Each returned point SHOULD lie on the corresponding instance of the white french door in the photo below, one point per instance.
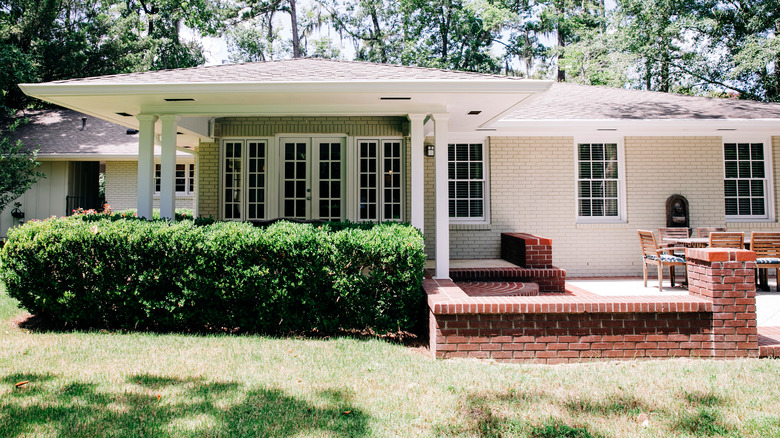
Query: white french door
(311, 178)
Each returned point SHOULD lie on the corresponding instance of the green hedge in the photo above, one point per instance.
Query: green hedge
(225, 276)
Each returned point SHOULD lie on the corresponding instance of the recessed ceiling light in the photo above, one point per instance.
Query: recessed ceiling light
(727, 129)
(124, 114)
(395, 98)
(184, 99)
(606, 129)
(474, 113)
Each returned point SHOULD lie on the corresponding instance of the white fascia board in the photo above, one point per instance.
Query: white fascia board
(655, 127)
(185, 156)
(48, 90)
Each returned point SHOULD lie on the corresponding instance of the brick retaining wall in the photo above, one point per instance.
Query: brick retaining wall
(717, 319)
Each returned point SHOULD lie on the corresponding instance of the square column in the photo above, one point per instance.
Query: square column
(441, 130)
(168, 166)
(145, 164)
(417, 139)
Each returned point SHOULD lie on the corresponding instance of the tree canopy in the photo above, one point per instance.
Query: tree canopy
(706, 47)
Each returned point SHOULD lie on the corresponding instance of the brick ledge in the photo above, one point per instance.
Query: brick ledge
(445, 297)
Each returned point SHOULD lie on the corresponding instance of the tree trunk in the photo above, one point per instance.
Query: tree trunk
(378, 37)
(295, 38)
(445, 29)
(561, 32)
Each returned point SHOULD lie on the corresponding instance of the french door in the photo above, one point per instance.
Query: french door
(311, 178)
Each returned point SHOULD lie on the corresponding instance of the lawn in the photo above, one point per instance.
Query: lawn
(95, 384)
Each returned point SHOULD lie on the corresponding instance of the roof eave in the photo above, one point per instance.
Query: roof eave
(51, 89)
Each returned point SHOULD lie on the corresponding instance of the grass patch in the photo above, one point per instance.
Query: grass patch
(105, 384)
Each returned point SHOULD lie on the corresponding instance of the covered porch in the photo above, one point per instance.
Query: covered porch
(284, 111)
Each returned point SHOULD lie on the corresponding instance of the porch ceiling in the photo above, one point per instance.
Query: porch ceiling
(490, 98)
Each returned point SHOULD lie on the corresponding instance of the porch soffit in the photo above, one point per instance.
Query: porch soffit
(305, 87)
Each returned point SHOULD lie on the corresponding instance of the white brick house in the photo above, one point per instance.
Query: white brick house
(321, 139)
(72, 148)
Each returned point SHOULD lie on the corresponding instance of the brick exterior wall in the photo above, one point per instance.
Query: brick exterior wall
(208, 180)
(122, 187)
(533, 190)
(351, 126)
(716, 320)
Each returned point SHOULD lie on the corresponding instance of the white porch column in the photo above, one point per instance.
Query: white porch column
(417, 139)
(145, 164)
(168, 166)
(442, 196)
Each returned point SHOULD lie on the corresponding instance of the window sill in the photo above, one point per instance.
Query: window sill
(156, 196)
(749, 221)
(478, 226)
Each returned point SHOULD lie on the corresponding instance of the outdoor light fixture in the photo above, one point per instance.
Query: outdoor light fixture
(429, 150)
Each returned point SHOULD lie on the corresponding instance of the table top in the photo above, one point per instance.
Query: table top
(697, 240)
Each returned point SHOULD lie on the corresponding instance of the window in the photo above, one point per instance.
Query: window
(746, 186)
(599, 182)
(184, 178)
(380, 190)
(466, 178)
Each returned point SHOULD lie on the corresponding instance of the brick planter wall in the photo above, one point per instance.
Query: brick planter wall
(526, 250)
(717, 320)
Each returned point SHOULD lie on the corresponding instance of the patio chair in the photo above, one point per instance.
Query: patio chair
(652, 254)
(705, 231)
(673, 233)
(727, 240)
(767, 248)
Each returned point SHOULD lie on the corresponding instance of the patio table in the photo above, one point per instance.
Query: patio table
(689, 242)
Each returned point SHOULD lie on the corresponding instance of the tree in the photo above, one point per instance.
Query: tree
(20, 170)
(447, 34)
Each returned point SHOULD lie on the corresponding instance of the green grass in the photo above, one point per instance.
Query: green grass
(94, 384)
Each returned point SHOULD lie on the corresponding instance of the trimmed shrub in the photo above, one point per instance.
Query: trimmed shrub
(160, 275)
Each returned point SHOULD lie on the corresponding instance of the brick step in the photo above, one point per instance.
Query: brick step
(550, 279)
(499, 288)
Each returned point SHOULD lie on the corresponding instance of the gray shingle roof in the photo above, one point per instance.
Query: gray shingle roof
(582, 102)
(291, 70)
(58, 132)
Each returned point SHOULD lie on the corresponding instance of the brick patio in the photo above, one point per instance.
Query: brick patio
(716, 319)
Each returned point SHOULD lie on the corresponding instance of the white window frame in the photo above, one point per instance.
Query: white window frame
(622, 216)
(769, 189)
(189, 188)
(485, 219)
(354, 169)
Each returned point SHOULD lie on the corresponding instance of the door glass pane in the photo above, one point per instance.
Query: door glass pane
(330, 179)
(256, 187)
(232, 180)
(391, 205)
(295, 180)
(367, 190)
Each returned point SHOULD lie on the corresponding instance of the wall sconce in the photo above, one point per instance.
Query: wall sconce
(16, 213)
(429, 150)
